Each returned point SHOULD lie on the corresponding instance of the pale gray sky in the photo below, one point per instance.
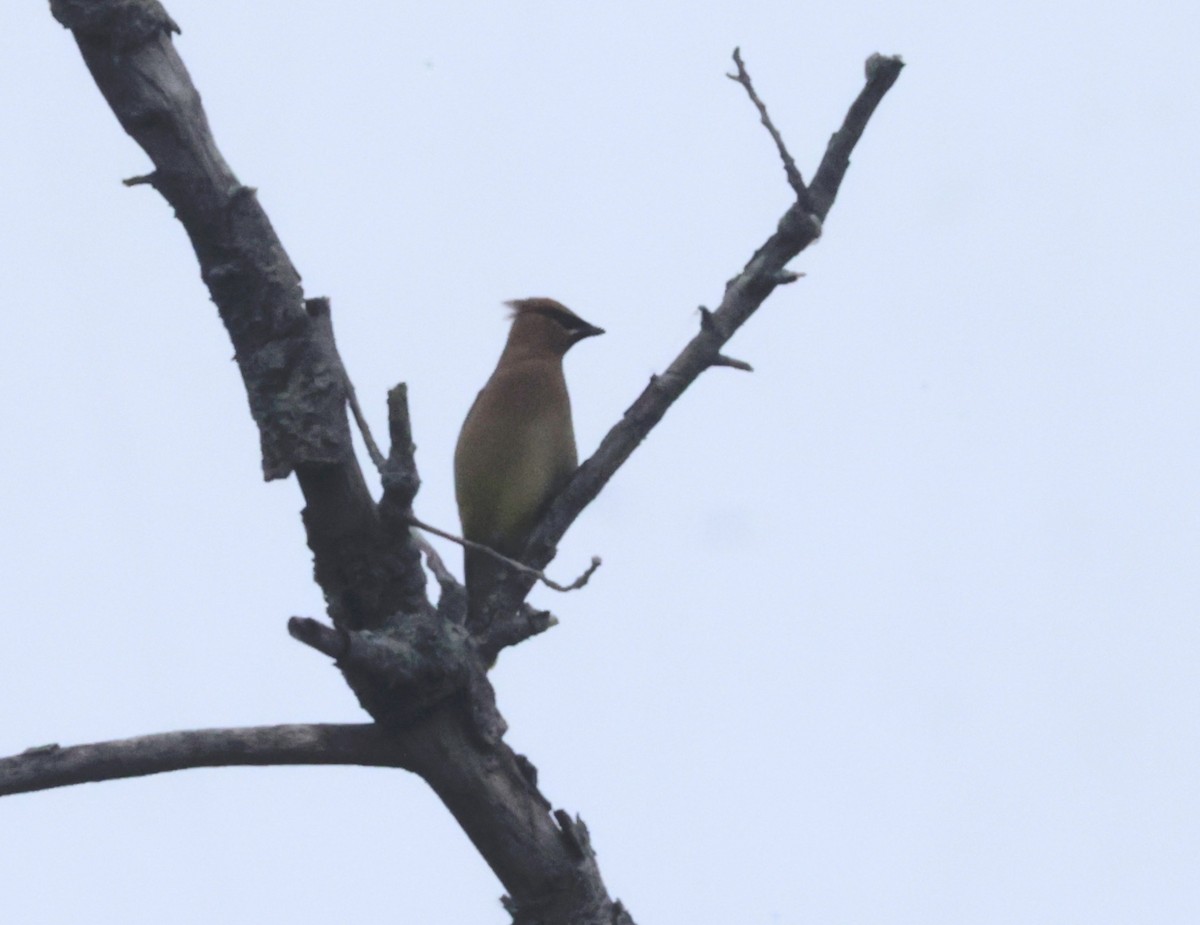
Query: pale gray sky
(902, 628)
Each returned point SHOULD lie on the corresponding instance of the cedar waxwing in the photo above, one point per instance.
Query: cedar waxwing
(517, 445)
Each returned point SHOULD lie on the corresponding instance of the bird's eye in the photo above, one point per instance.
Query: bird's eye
(569, 322)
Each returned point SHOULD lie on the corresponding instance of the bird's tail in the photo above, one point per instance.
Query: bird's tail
(482, 574)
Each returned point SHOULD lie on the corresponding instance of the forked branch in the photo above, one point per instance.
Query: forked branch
(366, 559)
(798, 227)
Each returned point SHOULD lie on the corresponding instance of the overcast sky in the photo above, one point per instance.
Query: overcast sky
(901, 628)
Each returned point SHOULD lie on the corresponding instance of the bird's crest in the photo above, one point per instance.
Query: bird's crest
(551, 309)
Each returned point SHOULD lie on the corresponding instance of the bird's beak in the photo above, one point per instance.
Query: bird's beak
(588, 331)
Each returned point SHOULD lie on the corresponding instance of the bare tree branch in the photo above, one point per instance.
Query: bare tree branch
(795, 181)
(366, 559)
(284, 347)
(49, 766)
(414, 668)
(766, 269)
(881, 71)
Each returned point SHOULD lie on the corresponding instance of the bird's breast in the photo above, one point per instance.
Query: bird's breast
(516, 449)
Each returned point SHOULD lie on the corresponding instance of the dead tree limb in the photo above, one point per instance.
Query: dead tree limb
(766, 269)
(48, 766)
(415, 668)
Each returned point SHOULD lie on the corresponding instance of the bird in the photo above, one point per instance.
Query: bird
(516, 448)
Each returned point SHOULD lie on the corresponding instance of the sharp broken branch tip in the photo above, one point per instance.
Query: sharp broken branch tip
(783, 277)
(876, 62)
(573, 832)
(317, 306)
(42, 749)
(721, 360)
(146, 179)
(741, 76)
(331, 641)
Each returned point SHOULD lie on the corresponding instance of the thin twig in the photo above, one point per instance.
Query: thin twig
(320, 310)
(452, 603)
(795, 181)
(372, 447)
(512, 563)
(434, 560)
